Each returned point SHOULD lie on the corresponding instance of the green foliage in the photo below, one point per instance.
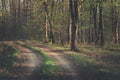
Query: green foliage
(30, 22)
(99, 62)
(95, 62)
(82, 60)
(8, 56)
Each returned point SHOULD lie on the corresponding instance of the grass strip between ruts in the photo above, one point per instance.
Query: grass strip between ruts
(50, 67)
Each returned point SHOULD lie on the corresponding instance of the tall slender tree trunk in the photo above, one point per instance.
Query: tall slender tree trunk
(19, 18)
(114, 21)
(116, 24)
(116, 29)
(69, 31)
(52, 39)
(62, 27)
(74, 17)
(3, 20)
(69, 26)
(90, 37)
(94, 8)
(101, 25)
(46, 29)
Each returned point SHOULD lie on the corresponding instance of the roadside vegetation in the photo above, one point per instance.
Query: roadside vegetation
(8, 57)
(95, 62)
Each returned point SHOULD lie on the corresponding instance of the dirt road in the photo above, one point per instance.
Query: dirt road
(27, 64)
(70, 69)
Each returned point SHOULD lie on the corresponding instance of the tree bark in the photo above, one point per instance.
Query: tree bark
(74, 17)
(94, 8)
(101, 25)
(50, 22)
(46, 29)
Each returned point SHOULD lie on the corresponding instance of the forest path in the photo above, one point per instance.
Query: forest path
(69, 68)
(28, 64)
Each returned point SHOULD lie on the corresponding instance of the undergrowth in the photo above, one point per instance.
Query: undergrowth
(95, 62)
(8, 56)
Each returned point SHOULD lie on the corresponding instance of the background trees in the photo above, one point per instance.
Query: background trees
(61, 21)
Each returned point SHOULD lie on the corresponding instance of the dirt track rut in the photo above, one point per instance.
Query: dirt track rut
(69, 68)
(27, 64)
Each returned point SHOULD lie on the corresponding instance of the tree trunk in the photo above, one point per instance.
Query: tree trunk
(115, 25)
(101, 25)
(90, 37)
(95, 22)
(116, 29)
(46, 29)
(50, 22)
(74, 17)
(3, 35)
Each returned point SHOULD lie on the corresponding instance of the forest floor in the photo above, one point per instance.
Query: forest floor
(29, 64)
(61, 64)
(91, 62)
(70, 70)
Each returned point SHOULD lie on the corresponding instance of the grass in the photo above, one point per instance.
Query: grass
(51, 68)
(95, 62)
(99, 70)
